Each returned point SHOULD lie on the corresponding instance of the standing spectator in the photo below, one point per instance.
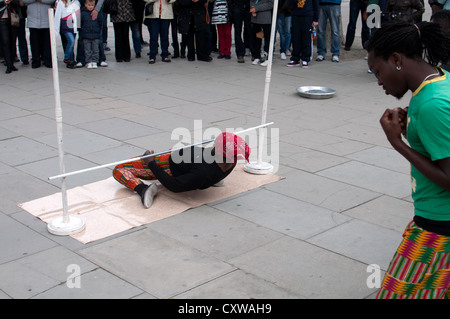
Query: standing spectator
(96, 14)
(222, 18)
(91, 30)
(330, 10)
(8, 33)
(136, 27)
(38, 25)
(67, 17)
(121, 23)
(442, 17)
(21, 35)
(304, 17)
(192, 23)
(242, 26)
(159, 28)
(356, 6)
(261, 18)
(284, 28)
(174, 31)
(409, 11)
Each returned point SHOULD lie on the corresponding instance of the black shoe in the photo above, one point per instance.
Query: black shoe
(207, 59)
(26, 62)
(13, 68)
(138, 55)
(8, 70)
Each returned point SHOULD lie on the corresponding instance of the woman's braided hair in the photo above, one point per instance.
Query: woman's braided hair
(421, 40)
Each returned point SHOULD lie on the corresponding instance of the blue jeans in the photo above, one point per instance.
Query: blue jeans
(68, 52)
(330, 12)
(284, 28)
(136, 36)
(159, 27)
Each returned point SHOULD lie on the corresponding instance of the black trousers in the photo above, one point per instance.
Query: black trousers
(196, 43)
(8, 36)
(256, 42)
(40, 47)
(122, 41)
(301, 38)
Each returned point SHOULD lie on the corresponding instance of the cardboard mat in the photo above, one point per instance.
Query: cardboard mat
(109, 208)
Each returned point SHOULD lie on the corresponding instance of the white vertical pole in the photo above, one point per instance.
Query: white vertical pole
(65, 225)
(261, 167)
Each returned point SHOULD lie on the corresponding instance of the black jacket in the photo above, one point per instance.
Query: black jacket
(191, 169)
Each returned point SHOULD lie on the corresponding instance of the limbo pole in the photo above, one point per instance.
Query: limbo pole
(65, 225)
(261, 167)
(64, 175)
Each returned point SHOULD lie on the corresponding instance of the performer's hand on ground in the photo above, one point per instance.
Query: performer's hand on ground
(147, 160)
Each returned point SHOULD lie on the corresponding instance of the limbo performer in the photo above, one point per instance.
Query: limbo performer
(420, 267)
(188, 169)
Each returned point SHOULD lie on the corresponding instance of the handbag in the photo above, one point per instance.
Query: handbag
(148, 9)
(14, 18)
(110, 7)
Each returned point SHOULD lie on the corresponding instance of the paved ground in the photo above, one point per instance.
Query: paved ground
(341, 207)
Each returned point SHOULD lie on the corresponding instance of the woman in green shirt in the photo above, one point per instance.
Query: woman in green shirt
(421, 266)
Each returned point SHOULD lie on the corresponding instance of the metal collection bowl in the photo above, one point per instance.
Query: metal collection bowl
(316, 92)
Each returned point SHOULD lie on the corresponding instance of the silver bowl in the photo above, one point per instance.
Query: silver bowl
(316, 92)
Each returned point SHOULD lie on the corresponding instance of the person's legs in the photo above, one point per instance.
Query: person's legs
(238, 26)
(305, 32)
(321, 30)
(35, 48)
(296, 38)
(130, 174)
(351, 27)
(420, 268)
(136, 37)
(335, 14)
(164, 38)
(154, 34)
(68, 52)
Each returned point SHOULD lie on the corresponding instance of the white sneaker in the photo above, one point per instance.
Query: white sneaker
(304, 64)
(79, 65)
(94, 65)
(103, 64)
(148, 195)
(283, 56)
(89, 65)
(335, 58)
(255, 61)
(264, 55)
(320, 58)
(265, 63)
(220, 183)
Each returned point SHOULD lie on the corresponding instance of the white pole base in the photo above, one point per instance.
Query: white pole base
(257, 168)
(60, 228)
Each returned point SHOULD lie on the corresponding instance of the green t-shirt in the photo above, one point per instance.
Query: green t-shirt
(428, 133)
